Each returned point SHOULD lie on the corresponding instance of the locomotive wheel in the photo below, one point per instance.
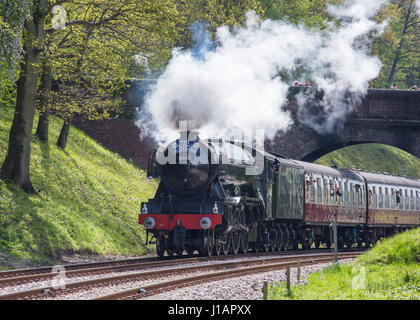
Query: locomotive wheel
(226, 245)
(244, 242)
(160, 247)
(207, 242)
(217, 246)
(236, 241)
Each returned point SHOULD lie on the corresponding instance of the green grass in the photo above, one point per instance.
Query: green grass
(89, 200)
(374, 156)
(389, 271)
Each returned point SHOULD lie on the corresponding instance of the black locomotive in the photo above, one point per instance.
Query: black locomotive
(222, 197)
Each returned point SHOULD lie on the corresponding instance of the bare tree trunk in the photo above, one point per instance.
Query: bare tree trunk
(16, 165)
(64, 133)
(45, 89)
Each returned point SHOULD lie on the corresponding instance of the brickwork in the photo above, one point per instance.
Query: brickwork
(385, 116)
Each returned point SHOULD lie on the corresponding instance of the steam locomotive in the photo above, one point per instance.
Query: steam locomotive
(207, 201)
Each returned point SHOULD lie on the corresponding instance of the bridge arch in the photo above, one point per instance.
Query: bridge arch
(386, 117)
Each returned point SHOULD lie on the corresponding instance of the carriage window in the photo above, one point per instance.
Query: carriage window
(351, 195)
(400, 199)
(370, 198)
(406, 199)
(319, 189)
(307, 186)
(357, 195)
(392, 198)
(362, 200)
(417, 201)
(411, 200)
(346, 194)
(380, 198)
(312, 193)
(386, 198)
(340, 193)
(374, 198)
(325, 191)
(332, 192)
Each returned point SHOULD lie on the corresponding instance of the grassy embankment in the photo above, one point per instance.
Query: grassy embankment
(376, 157)
(89, 201)
(390, 271)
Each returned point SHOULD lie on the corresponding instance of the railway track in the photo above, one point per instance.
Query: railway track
(241, 270)
(207, 270)
(19, 276)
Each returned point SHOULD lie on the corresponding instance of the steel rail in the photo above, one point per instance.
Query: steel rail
(19, 276)
(153, 289)
(87, 284)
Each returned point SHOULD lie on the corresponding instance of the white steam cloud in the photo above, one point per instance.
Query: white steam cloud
(240, 81)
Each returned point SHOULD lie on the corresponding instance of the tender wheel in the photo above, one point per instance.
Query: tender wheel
(236, 241)
(273, 240)
(244, 242)
(286, 242)
(280, 239)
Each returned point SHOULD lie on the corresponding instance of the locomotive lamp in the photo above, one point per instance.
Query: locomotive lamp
(205, 223)
(215, 208)
(149, 223)
(144, 209)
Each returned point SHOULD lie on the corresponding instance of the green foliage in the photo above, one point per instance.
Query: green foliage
(403, 248)
(12, 16)
(216, 13)
(88, 203)
(398, 46)
(311, 13)
(371, 157)
(389, 271)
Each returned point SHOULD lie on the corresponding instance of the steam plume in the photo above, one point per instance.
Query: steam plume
(242, 79)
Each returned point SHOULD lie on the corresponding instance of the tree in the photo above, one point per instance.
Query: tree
(398, 47)
(312, 13)
(16, 165)
(13, 14)
(92, 55)
(214, 13)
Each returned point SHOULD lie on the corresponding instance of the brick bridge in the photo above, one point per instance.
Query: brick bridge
(389, 117)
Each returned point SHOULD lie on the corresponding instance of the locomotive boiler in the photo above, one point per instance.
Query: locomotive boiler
(223, 197)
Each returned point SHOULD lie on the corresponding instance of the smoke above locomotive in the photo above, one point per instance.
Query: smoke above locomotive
(241, 79)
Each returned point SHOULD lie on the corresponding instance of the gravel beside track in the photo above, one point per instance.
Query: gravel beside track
(241, 288)
(110, 287)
